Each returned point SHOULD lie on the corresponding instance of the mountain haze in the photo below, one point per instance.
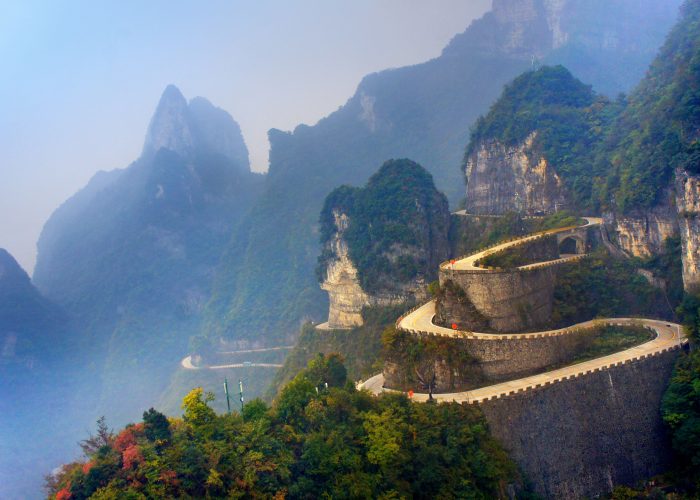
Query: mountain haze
(38, 370)
(265, 285)
(132, 255)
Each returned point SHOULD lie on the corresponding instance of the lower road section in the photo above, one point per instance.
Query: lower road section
(186, 363)
(668, 336)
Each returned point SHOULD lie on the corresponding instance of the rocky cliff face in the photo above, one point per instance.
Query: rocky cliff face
(642, 233)
(688, 205)
(504, 179)
(343, 286)
(381, 243)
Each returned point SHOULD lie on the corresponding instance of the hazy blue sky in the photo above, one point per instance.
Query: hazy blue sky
(80, 79)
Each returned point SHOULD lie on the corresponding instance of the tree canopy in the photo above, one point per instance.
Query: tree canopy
(321, 438)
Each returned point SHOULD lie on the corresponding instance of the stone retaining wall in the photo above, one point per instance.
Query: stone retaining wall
(510, 300)
(578, 437)
(465, 363)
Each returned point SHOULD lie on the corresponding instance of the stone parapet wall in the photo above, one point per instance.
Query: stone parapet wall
(467, 362)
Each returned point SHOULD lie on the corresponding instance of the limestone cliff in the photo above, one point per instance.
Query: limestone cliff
(688, 205)
(504, 179)
(381, 243)
(642, 233)
(343, 286)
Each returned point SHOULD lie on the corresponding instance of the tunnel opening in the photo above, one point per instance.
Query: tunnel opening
(569, 246)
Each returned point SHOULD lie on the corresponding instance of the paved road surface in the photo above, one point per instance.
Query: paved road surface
(262, 349)
(187, 364)
(420, 321)
(668, 336)
(468, 263)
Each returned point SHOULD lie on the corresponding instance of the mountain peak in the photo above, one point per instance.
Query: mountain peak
(198, 126)
(172, 93)
(170, 127)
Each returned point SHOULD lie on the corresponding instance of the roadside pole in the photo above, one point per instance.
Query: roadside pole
(240, 392)
(228, 401)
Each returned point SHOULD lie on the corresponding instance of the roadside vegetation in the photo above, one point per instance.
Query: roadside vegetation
(320, 439)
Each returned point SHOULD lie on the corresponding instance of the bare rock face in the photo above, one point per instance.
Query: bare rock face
(170, 125)
(343, 286)
(504, 179)
(346, 296)
(642, 234)
(688, 205)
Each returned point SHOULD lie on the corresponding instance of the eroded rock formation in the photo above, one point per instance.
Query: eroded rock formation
(688, 205)
(344, 291)
(504, 179)
(642, 233)
(343, 285)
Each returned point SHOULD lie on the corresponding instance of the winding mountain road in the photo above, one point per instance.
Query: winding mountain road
(668, 336)
(421, 322)
(186, 363)
(469, 263)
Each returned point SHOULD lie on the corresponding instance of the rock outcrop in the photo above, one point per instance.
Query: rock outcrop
(642, 233)
(346, 297)
(504, 179)
(688, 205)
(381, 243)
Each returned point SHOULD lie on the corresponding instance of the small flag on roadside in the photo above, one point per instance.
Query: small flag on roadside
(410, 393)
(454, 326)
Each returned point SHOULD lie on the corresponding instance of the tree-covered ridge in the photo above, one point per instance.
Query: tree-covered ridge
(569, 120)
(658, 130)
(321, 439)
(398, 225)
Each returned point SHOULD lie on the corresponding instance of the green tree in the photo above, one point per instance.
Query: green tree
(197, 412)
(155, 425)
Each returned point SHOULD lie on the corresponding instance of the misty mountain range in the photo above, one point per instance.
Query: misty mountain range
(188, 241)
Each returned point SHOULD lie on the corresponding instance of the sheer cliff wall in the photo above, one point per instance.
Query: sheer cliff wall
(579, 437)
(503, 179)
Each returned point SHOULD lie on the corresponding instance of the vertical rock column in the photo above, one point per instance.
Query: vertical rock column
(688, 205)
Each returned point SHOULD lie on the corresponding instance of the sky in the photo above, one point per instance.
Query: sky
(79, 80)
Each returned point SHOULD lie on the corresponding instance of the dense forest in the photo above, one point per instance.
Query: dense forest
(658, 130)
